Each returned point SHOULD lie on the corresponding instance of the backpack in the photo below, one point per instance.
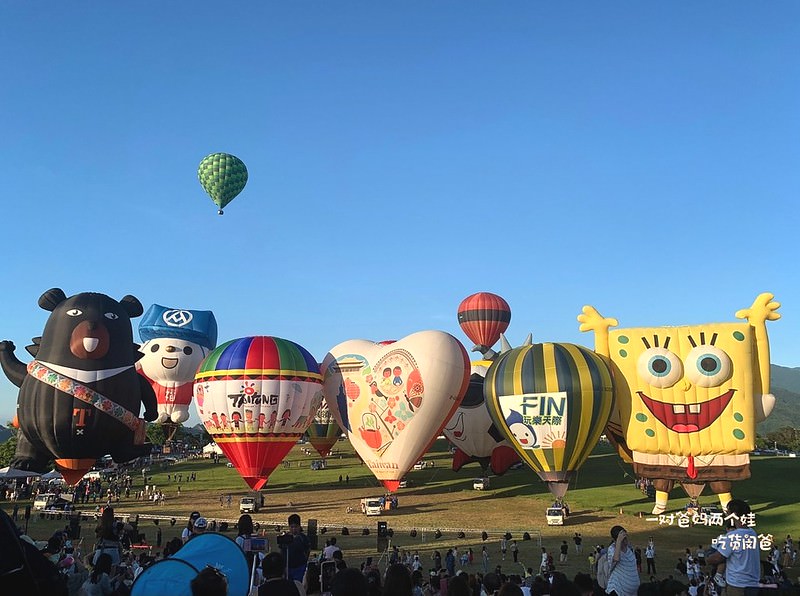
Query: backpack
(603, 570)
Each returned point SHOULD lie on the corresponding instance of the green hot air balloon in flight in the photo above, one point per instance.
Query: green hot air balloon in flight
(223, 176)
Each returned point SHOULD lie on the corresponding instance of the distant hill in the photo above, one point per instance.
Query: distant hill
(785, 385)
(197, 429)
(785, 378)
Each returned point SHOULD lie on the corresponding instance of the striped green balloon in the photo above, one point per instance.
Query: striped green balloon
(552, 402)
(223, 176)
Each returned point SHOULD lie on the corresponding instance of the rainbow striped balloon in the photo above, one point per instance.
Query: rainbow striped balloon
(256, 396)
(551, 401)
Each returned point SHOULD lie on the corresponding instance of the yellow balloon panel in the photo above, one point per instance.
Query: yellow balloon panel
(687, 390)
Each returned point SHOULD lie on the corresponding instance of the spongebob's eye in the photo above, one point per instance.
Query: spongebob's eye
(708, 366)
(74, 312)
(112, 316)
(659, 367)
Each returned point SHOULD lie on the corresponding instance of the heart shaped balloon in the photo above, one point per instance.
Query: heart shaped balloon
(393, 400)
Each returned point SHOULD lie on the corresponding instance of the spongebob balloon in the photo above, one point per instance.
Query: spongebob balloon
(688, 398)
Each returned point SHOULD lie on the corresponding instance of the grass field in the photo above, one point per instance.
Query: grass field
(601, 496)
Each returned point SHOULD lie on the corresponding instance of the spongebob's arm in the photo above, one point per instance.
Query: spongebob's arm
(763, 309)
(591, 320)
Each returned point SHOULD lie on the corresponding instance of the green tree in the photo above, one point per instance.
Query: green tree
(156, 434)
(785, 438)
(7, 450)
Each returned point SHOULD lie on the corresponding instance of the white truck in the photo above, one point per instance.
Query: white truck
(371, 506)
(52, 501)
(555, 516)
(480, 483)
(251, 503)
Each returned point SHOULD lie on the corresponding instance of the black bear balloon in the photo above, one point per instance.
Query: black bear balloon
(80, 398)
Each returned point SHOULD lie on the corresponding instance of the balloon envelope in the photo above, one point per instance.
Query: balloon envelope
(223, 176)
(393, 400)
(176, 340)
(551, 401)
(324, 431)
(256, 396)
(471, 430)
(80, 398)
(483, 317)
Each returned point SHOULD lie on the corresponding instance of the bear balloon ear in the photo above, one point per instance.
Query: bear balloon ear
(52, 298)
(33, 349)
(132, 306)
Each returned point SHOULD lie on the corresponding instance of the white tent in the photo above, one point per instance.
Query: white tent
(53, 475)
(212, 448)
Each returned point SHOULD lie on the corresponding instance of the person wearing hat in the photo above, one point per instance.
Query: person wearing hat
(200, 526)
(187, 531)
(75, 573)
(623, 578)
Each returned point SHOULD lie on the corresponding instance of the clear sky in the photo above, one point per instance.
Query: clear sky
(638, 156)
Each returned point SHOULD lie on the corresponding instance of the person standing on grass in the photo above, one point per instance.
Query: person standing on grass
(297, 551)
(738, 550)
(578, 540)
(515, 551)
(650, 555)
(564, 552)
(623, 578)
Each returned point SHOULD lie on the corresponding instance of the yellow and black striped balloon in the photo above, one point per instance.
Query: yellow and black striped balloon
(544, 377)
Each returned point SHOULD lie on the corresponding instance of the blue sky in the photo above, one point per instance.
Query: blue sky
(640, 157)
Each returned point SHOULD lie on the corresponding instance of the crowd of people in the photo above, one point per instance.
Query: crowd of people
(288, 567)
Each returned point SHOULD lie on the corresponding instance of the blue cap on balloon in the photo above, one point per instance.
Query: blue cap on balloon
(196, 326)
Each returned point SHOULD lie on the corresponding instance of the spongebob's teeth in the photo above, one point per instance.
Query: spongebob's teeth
(678, 408)
(694, 408)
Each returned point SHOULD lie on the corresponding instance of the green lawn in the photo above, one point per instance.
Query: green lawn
(437, 498)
